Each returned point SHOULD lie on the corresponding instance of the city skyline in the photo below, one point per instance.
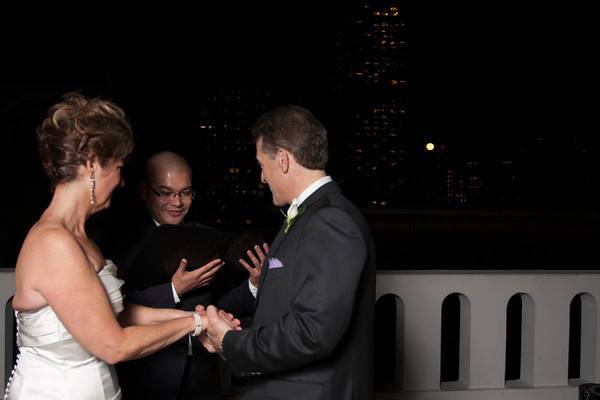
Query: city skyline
(382, 87)
(382, 83)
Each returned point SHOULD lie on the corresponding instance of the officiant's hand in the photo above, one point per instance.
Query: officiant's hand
(257, 262)
(184, 281)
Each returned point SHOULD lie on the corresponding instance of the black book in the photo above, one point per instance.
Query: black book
(159, 255)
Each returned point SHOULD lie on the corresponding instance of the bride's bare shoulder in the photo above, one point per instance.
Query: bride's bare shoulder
(46, 242)
(45, 233)
(49, 259)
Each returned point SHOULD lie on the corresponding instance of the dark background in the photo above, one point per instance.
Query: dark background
(493, 84)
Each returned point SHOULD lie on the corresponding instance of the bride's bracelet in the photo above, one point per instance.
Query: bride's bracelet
(198, 322)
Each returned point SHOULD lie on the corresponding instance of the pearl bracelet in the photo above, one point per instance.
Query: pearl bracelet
(198, 322)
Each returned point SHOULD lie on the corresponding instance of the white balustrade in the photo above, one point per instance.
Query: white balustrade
(484, 296)
(7, 289)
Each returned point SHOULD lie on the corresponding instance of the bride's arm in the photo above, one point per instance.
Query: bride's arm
(135, 314)
(65, 279)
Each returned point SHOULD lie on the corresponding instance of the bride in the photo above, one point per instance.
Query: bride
(67, 297)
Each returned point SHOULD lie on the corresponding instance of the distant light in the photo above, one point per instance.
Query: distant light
(430, 146)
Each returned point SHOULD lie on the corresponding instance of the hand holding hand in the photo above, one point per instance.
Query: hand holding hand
(217, 327)
(184, 281)
(233, 322)
(257, 262)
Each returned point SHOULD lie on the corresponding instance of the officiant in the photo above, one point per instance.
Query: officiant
(148, 239)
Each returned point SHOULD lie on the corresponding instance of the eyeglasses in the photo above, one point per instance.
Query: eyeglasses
(169, 194)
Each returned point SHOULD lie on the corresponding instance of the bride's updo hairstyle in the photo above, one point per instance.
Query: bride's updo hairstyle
(77, 129)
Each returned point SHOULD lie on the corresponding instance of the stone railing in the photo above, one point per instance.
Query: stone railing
(483, 296)
(7, 289)
(546, 298)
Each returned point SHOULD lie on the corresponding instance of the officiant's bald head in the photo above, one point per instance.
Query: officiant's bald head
(167, 189)
(165, 162)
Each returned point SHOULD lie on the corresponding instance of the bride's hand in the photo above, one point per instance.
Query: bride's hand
(229, 318)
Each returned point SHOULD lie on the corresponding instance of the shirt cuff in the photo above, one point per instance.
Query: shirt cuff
(175, 297)
(253, 289)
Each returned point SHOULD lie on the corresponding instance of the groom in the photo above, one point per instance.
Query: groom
(312, 331)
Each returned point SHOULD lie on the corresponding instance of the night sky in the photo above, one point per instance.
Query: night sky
(486, 78)
(475, 71)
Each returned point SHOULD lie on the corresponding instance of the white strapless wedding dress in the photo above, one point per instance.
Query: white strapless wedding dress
(52, 365)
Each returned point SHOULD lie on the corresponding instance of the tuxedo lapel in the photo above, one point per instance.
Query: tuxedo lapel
(281, 235)
(274, 246)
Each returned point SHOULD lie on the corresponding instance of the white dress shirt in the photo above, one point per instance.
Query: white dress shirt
(313, 187)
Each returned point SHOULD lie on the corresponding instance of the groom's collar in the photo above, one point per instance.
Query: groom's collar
(313, 187)
(324, 190)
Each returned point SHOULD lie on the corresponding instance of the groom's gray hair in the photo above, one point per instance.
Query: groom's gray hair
(296, 130)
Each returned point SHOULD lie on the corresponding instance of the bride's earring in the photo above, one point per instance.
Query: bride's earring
(93, 186)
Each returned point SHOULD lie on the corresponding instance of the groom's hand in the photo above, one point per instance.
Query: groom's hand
(216, 330)
(220, 322)
(184, 281)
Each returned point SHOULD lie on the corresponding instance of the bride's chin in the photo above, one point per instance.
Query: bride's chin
(100, 207)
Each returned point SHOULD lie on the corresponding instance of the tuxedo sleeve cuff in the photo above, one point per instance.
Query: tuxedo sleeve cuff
(227, 345)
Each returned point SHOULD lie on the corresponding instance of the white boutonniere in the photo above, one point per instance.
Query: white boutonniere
(292, 215)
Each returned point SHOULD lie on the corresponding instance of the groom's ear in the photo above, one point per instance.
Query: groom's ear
(283, 160)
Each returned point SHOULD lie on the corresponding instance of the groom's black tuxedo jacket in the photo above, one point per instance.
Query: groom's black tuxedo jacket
(312, 333)
(160, 375)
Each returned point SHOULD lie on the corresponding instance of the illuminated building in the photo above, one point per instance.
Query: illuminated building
(372, 49)
(230, 188)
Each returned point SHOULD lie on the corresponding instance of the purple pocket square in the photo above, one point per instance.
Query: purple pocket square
(275, 263)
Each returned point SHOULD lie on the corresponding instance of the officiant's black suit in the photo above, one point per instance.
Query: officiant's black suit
(312, 333)
(163, 374)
